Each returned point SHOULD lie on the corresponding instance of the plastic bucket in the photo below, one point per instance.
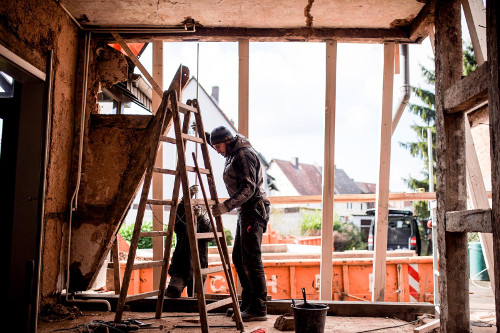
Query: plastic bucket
(477, 266)
(310, 317)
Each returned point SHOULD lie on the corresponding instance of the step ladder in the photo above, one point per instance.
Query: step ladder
(181, 178)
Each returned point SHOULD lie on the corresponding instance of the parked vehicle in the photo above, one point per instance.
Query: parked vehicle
(403, 231)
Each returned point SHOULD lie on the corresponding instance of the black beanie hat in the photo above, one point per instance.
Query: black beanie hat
(220, 134)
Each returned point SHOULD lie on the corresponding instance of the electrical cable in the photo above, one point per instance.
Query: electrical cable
(395, 326)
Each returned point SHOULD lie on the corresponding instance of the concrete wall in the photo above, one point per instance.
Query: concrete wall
(29, 29)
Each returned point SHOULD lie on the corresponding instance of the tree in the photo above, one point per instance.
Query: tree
(427, 112)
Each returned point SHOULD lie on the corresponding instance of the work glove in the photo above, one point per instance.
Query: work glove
(193, 190)
(197, 210)
(219, 209)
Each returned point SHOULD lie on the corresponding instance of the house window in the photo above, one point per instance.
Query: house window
(361, 206)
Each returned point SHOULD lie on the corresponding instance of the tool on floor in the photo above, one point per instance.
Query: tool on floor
(170, 109)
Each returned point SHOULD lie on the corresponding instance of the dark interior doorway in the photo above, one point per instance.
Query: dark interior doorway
(23, 126)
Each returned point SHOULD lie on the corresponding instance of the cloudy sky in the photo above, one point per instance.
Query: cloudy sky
(287, 97)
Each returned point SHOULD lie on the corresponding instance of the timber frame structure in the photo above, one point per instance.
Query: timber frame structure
(58, 51)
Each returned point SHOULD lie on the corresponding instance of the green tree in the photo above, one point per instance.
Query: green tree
(127, 230)
(426, 110)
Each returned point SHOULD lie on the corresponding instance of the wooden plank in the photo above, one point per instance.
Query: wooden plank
(213, 269)
(477, 220)
(233, 34)
(116, 266)
(148, 264)
(382, 211)
(167, 139)
(154, 233)
(451, 178)
(470, 91)
(156, 202)
(192, 138)
(202, 170)
(427, 327)
(142, 296)
(479, 199)
(184, 108)
(397, 65)
(165, 171)
(493, 35)
(157, 178)
(326, 273)
(475, 15)
(207, 235)
(219, 304)
(243, 86)
(156, 87)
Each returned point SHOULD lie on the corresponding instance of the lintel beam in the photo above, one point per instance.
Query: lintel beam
(468, 92)
(476, 220)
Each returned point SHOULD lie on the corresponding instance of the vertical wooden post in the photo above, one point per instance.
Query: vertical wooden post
(157, 177)
(326, 269)
(450, 177)
(493, 35)
(475, 15)
(382, 203)
(243, 86)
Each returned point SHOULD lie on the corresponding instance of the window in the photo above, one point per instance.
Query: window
(6, 86)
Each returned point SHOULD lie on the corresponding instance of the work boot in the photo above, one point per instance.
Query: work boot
(175, 287)
(251, 316)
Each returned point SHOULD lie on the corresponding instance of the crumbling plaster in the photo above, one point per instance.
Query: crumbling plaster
(30, 28)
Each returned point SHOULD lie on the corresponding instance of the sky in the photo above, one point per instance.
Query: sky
(287, 100)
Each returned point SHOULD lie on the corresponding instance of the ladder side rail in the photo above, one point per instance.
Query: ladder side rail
(213, 193)
(195, 260)
(170, 229)
(140, 212)
(224, 259)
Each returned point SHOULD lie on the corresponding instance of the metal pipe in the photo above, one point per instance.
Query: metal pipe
(405, 88)
(74, 198)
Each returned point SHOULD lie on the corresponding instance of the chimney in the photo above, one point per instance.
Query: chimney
(295, 162)
(215, 93)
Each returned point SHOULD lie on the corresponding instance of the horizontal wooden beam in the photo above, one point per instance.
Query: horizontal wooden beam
(477, 220)
(232, 34)
(468, 92)
(430, 326)
(423, 24)
(342, 198)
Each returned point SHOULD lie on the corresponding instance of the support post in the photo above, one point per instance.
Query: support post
(157, 177)
(326, 269)
(492, 12)
(450, 175)
(475, 15)
(243, 86)
(382, 201)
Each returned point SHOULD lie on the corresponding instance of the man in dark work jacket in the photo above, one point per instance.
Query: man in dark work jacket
(243, 180)
(181, 270)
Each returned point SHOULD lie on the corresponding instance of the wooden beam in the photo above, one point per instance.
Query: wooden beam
(475, 15)
(479, 199)
(233, 34)
(157, 177)
(326, 272)
(451, 178)
(493, 35)
(468, 92)
(382, 211)
(476, 220)
(422, 26)
(243, 86)
(135, 60)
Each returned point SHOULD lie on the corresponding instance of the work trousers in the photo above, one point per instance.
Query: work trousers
(248, 261)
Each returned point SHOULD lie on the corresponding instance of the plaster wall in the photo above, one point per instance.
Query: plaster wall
(29, 29)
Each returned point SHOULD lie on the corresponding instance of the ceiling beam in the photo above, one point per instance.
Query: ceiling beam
(232, 34)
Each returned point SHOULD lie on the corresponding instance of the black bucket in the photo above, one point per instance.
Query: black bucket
(309, 317)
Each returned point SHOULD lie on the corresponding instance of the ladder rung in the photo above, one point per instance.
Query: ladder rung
(153, 233)
(184, 108)
(159, 202)
(149, 264)
(167, 139)
(165, 171)
(202, 202)
(207, 235)
(219, 304)
(192, 169)
(210, 270)
(143, 295)
(192, 138)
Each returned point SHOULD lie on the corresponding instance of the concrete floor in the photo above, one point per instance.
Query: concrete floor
(482, 306)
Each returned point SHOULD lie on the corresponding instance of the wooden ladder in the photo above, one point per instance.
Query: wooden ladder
(181, 178)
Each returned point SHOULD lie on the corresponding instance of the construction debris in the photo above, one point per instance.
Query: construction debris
(285, 323)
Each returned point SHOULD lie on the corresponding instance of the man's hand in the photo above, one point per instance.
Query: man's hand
(219, 209)
(193, 190)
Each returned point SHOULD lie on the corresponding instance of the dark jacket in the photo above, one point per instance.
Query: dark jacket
(243, 176)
